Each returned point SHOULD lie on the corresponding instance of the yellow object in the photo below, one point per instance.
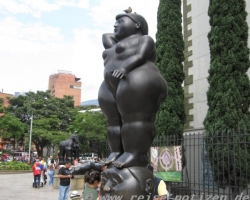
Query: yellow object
(162, 188)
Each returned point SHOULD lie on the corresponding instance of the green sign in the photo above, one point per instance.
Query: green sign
(169, 176)
(167, 162)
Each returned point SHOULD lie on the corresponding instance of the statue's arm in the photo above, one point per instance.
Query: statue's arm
(87, 166)
(109, 40)
(145, 49)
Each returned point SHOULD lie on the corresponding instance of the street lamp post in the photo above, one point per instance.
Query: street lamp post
(13, 147)
(31, 123)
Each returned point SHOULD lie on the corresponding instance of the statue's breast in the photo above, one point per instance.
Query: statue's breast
(120, 47)
(105, 53)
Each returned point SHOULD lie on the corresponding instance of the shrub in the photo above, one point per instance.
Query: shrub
(14, 166)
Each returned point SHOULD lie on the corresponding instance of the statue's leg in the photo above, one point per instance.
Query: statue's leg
(77, 153)
(61, 154)
(68, 155)
(108, 106)
(137, 137)
(138, 100)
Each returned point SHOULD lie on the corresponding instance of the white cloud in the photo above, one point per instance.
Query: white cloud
(29, 53)
(74, 3)
(17, 37)
(104, 13)
(13, 7)
(36, 7)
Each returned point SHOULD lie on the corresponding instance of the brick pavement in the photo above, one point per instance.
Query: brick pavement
(19, 186)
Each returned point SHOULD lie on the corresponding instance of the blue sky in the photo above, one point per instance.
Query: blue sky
(38, 37)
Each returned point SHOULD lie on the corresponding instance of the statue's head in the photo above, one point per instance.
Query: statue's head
(129, 22)
(74, 137)
(126, 182)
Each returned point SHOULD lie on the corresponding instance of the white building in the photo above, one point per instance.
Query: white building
(197, 60)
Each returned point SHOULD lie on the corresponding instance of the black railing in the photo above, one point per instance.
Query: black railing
(215, 165)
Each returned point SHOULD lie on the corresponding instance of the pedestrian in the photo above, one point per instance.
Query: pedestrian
(51, 173)
(44, 169)
(92, 180)
(64, 174)
(36, 168)
(49, 160)
(160, 188)
(76, 161)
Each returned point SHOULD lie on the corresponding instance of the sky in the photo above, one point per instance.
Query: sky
(40, 37)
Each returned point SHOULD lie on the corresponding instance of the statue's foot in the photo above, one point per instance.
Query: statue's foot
(129, 160)
(112, 157)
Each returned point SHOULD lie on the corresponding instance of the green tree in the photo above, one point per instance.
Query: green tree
(51, 116)
(90, 126)
(169, 48)
(88, 107)
(11, 128)
(1, 105)
(228, 95)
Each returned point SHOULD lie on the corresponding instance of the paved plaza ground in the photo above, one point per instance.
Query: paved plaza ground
(19, 186)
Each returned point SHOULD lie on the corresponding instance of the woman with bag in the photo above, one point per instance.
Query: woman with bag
(51, 173)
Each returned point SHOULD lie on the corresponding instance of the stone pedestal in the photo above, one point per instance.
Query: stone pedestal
(76, 183)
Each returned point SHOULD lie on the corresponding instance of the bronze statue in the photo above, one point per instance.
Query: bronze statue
(86, 167)
(69, 149)
(128, 183)
(132, 91)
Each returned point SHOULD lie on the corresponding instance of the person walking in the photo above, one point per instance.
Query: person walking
(36, 168)
(43, 169)
(51, 173)
(64, 174)
(50, 158)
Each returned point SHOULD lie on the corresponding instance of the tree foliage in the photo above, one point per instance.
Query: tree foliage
(1, 105)
(229, 93)
(11, 128)
(90, 126)
(51, 116)
(169, 47)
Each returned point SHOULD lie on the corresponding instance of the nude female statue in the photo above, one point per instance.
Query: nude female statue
(132, 90)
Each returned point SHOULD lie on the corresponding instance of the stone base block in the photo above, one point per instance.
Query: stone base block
(75, 184)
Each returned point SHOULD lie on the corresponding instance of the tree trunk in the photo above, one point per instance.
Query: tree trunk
(14, 142)
(38, 149)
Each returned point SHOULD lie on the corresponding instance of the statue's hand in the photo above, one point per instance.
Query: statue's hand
(119, 73)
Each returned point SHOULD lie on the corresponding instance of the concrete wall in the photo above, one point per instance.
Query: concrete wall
(65, 84)
(197, 60)
(4, 97)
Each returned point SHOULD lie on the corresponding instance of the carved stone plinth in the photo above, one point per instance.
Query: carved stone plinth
(75, 184)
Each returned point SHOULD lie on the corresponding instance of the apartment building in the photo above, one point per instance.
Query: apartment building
(197, 60)
(65, 83)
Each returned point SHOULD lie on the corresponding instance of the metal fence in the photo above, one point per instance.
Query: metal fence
(214, 166)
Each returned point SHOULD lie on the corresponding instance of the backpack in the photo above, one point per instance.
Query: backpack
(37, 170)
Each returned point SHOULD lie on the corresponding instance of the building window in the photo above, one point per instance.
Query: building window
(75, 87)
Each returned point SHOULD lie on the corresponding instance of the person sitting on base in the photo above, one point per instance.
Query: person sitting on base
(160, 188)
(92, 180)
